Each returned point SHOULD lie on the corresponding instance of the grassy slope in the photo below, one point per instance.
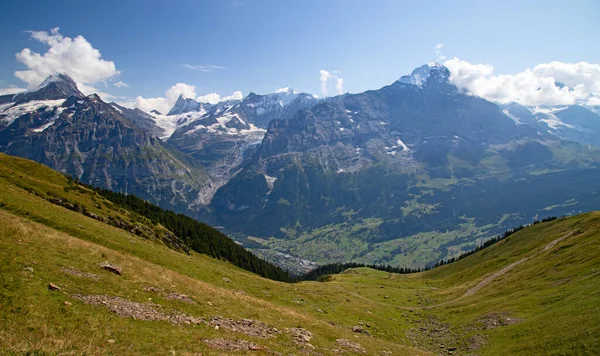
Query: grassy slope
(555, 292)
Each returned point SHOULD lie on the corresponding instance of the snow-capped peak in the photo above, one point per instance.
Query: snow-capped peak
(420, 75)
(53, 78)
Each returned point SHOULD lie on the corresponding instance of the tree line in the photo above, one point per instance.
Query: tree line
(197, 235)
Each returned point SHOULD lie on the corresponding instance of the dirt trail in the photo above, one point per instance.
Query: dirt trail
(501, 272)
(487, 280)
(553, 243)
(490, 278)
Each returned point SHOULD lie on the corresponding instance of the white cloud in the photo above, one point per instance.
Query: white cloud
(203, 68)
(164, 104)
(339, 85)
(214, 98)
(325, 76)
(580, 83)
(11, 90)
(594, 101)
(282, 90)
(88, 89)
(75, 57)
(438, 52)
(121, 84)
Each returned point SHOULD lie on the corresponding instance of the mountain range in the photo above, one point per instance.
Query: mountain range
(407, 174)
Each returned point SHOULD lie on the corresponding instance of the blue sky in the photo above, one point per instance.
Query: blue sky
(265, 45)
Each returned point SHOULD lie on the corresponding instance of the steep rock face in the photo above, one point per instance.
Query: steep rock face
(228, 132)
(262, 109)
(140, 119)
(184, 105)
(103, 145)
(414, 157)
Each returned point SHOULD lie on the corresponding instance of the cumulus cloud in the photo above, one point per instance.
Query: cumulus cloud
(203, 68)
(326, 76)
(164, 104)
(553, 83)
(75, 57)
(214, 98)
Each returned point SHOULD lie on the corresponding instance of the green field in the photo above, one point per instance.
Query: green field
(548, 303)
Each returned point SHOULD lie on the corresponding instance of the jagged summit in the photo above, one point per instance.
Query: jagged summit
(425, 73)
(56, 86)
(184, 105)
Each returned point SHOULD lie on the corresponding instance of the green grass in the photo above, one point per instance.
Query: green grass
(554, 294)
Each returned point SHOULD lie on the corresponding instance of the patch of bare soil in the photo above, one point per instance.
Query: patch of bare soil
(247, 326)
(77, 273)
(138, 311)
(232, 345)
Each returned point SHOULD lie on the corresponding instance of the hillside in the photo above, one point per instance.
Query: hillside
(535, 292)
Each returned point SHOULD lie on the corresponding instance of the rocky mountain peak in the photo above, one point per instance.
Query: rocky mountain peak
(427, 73)
(183, 105)
(55, 87)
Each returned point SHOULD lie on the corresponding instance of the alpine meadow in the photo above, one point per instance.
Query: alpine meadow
(313, 178)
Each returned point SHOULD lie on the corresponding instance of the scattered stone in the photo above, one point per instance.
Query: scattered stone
(110, 341)
(68, 303)
(28, 269)
(53, 287)
(209, 304)
(354, 347)
(246, 326)
(227, 280)
(138, 311)
(151, 289)
(492, 321)
(301, 336)
(74, 272)
(180, 297)
(477, 342)
(359, 330)
(111, 268)
(232, 345)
